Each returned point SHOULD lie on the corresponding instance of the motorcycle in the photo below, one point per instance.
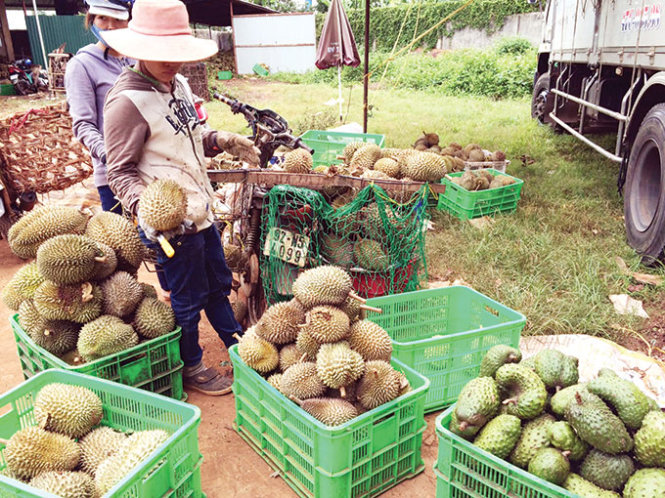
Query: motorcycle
(27, 77)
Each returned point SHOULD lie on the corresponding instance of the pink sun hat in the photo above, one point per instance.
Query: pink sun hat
(159, 31)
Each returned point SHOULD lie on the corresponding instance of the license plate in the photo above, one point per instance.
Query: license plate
(287, 246)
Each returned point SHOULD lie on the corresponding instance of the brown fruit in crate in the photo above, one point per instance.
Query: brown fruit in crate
(258, 353)
(337, 365)
(482, 183)
(78, 303)
(298, 161)
(153, 318)
(468, 180)
(486, 174)
(22, 286)
(330, 411)
(476, 156)
(122, 294)
(307, 345)
(431, 139)
(351, 149)
(326, 324)
(421, 147)
(471, 147)
(119, 234)
(289, 355)
(371, 341)
(300, 380)
(366, 156)
(455, 146)
(98, 445)
(380, 384)
(280, 323)
(32, 450)
(498, 155)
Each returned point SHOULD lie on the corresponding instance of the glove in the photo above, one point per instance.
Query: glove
(239, 146)
(186, 227)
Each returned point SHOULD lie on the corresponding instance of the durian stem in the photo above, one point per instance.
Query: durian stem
(370, 308)
(101, 259)
(566, 453)
(237, 337)
(86, 292)
(295, 400)
(463, 426)
(510, 401)
(355, 296)
(342, 392)
(47, 332)
(302, 358)
(4, 441)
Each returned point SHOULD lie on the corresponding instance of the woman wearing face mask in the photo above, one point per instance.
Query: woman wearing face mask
(89, 76)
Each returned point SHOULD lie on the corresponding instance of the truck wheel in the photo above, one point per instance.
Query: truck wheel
(539, 105)
(644, 194)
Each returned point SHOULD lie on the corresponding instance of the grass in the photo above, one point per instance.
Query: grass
(554, 258)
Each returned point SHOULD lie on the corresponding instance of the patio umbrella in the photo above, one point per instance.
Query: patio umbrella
(337, 46)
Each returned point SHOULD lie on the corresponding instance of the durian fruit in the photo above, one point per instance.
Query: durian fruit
(323, 285)
(122, 294)
(471, 147)
(163, 205)
(257, 353)
(498, 155)
(22, 286)
(330, 411)
(275, 380)
(66, 484)
(388, 166)
(153, 318)
(67, 409)
(119, 234)
(371, 341)
(105, 265)
(68, 259)
(105, 335)
(337, 365)
(337, 250)
(430, 139)
(289, 355)
(148, 290)
(369, 255)
(380, 384)
(77, 303)
(501, 181)
(55, 336)
(98, 445)
(476, 156)
(280, 323)
(298, 161)
(30, 319)
(350, 149)
(135, 449)
(32, 450)
(307, 345)
(366, 156)
(301, 380)
(326, 324)
(390, 152)
(354, 309)
(373, 174)
(424, 167)
(72, 357)
(27, 234)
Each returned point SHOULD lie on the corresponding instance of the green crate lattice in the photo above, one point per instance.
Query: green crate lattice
(173, 470)
(361, 458)
(444, 333)
(153, 365)
(328, 145)
(369, 214)
(465, 471)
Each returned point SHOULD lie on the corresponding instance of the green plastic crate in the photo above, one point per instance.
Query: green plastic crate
(465, 471)
(443, 334)
(173, 470)
(7, 89)
(328, 145)
(361, 458)
(467, 204)
(153, 365)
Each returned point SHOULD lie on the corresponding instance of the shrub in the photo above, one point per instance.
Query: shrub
(514, 45)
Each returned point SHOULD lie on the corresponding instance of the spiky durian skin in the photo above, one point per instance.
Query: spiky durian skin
(105, 335)
(337, 250)
(28, 233)
(330, 411)
(119, 234)
(322, 285)
(122, 294)
(301, 380)
(98, 445)
(258, 353)
(148, 290)
(66, 484)
(106, 266)
(32, 450)
(55, 336)
(380, 384)
(22, 286)
(371, 341)
(350, 149)
(337, 365)
(298, 161)
(153, 318)
(275, 380)
(135, 449)
(77, 303)
(424, 167)
(308, 345)
(289, 355)
(67, 409)
(163, 205)
(369, 254)
(279, 323)
(327, 324)
(68, 259)
(366, 156)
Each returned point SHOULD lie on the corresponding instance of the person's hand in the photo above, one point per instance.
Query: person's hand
(239, 146)
(187, 226)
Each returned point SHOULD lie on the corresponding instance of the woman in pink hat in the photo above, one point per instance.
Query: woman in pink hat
(152, 131)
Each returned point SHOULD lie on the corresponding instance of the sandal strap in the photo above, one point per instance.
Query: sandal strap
(204, 376)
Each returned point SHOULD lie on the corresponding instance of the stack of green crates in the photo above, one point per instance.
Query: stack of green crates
(466, 204)
(444, 333)
(328, 145)
(361, 458)
(464, 470)
(174, 469)
(153, 365)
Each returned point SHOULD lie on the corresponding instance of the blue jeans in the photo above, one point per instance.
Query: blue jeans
(199, 279)
(109, 202)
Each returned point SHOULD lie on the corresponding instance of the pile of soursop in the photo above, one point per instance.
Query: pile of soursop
(79, 298)
(68, 453)
(597, 439)
(318, 351)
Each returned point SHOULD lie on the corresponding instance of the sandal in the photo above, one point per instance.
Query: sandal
(209, 381)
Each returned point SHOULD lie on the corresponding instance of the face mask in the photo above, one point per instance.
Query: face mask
(98, 34)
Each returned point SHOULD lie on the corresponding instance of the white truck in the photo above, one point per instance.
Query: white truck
(601, 69)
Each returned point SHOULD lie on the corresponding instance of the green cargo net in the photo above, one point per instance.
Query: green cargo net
(378, 239)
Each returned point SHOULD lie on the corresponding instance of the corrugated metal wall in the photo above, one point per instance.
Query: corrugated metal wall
(57, 30)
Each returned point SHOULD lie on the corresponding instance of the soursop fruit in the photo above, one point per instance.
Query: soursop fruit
(630, 404)
(478, 402)
(580, 486)
(468, 432)
(607, 471)
(499, 436)
(559, 402)
(556, 369)
(650, 440)
(562, 436)
(535, 435)
(550, 464)
(524, 391)
(646, 483)
(495, 357)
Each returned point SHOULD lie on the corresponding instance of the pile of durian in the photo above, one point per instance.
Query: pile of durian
(318, 351)
(481, 180)
(471, 153)
(596, 439)
(67, 453)
(80, 298)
